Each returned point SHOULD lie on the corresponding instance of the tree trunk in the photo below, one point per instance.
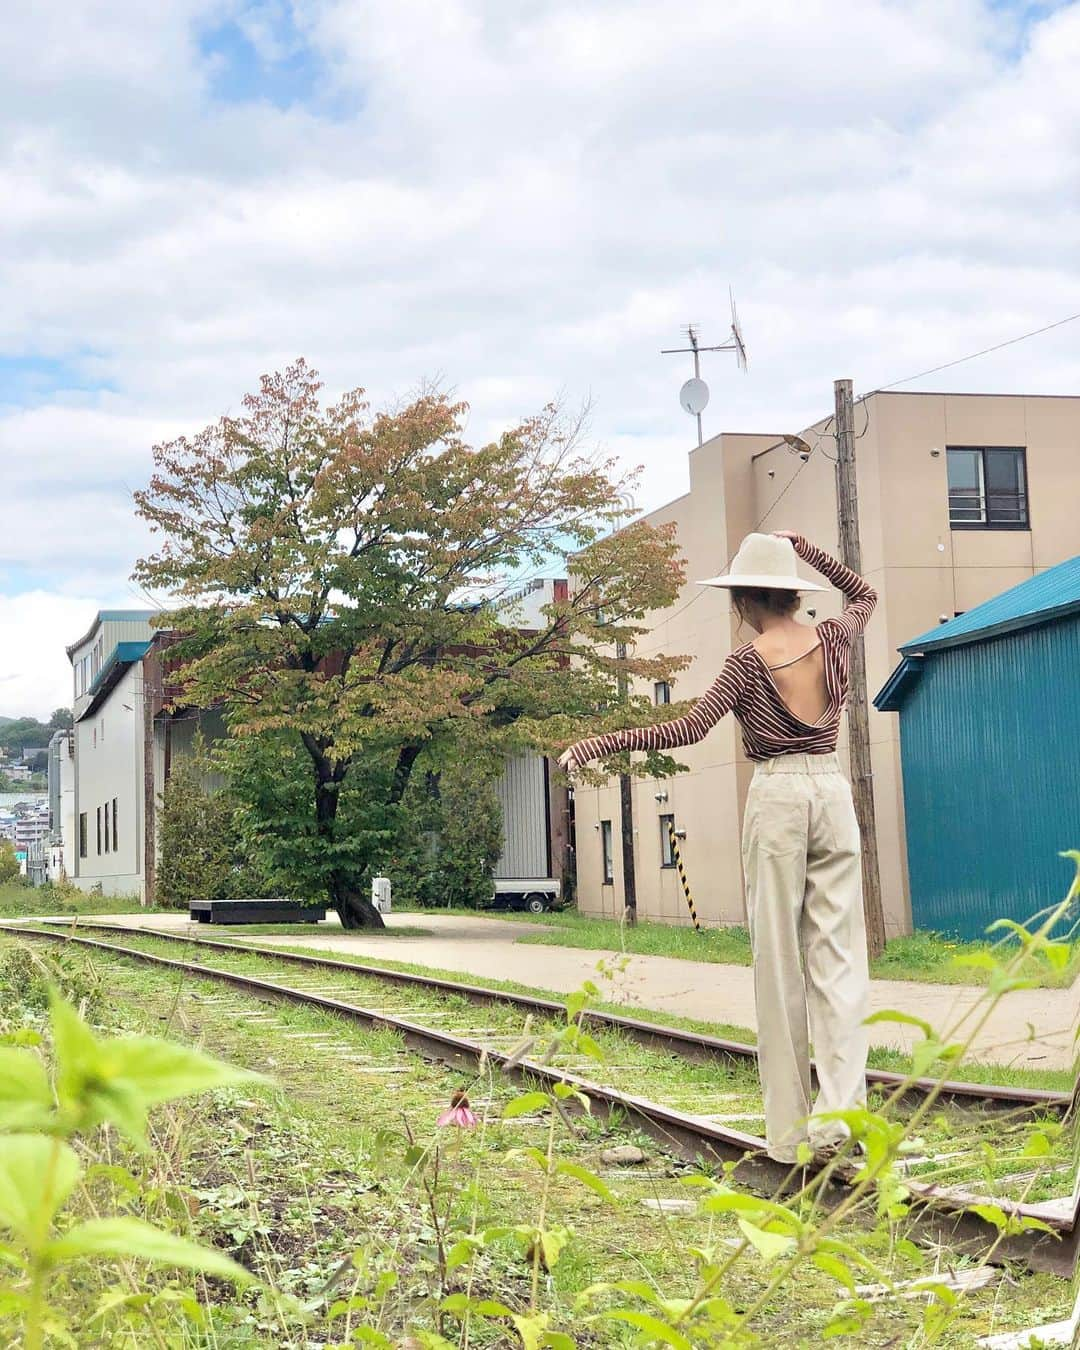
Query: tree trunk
(354, 909)
(407, 757)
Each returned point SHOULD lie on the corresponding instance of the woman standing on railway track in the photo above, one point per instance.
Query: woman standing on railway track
(801, 847)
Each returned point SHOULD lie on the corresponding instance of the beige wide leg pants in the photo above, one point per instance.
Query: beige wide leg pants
(801, 855)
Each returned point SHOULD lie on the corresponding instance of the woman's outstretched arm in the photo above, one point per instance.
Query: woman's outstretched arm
(719, 699)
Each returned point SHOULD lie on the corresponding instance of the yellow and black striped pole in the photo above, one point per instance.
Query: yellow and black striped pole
(682, 875)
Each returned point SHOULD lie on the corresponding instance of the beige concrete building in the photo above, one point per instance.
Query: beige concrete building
(960, 497)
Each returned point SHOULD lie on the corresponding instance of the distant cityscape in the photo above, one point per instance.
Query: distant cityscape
(25, 818)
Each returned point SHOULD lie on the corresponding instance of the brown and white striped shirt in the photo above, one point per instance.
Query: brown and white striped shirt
(745, 686)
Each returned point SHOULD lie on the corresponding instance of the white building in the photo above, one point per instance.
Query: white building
(62, 818)
(108, 798)
(17, 773)
(31, 827)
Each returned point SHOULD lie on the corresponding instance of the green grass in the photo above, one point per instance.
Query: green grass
(926, 957)
(880, 1057)
(291, 1178)
(317, 1141)
(726, 946)
(930, 957)
(18, 900)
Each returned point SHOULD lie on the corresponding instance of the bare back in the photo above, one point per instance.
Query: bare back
(795, 660)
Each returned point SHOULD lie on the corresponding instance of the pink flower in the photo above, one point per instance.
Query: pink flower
(459, 1113)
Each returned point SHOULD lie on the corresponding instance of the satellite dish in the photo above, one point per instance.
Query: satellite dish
(694, 396)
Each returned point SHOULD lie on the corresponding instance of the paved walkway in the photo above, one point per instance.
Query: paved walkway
(1031, 1028)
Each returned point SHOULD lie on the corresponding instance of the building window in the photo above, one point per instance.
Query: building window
(82, 835)
(115, 830)
(106, 827)
(99, 831)
(661, 692)
(987, 488)
(95, 738)
(608, 852)
(667, 853)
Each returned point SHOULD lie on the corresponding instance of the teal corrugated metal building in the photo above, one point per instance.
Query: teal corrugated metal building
(989, 710)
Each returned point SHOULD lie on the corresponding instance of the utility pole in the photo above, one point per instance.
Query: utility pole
(626, 813)
(862, 775)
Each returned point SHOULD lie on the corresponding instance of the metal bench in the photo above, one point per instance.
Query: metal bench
(256, 911)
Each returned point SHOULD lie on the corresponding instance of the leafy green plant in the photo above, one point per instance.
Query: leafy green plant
(28, 976)
(450, 1268)
(50, 1111)
(778, 1237)
(202, 852)
(9, 863)
(453, 814)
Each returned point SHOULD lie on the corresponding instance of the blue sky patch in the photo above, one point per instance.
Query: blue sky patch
(29, 379)
(1023, 15)
(261, 58)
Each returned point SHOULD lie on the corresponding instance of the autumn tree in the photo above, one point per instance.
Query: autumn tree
(344, 583)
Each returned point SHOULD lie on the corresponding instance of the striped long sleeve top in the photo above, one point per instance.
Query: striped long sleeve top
(745, 686)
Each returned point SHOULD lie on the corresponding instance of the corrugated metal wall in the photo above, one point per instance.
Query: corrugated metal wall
(522, 793)
(990, 739)
(182, 733)
(115, 631)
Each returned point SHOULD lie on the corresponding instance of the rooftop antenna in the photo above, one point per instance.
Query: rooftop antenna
(694, 395)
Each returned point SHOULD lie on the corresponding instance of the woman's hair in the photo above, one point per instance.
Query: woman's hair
(774, 600)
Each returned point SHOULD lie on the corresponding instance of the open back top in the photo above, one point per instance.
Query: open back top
(746, 687)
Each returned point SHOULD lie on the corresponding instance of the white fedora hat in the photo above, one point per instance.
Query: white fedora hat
(767, 561)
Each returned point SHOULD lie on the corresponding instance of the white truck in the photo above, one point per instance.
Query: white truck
(523, 875)
(536, 894)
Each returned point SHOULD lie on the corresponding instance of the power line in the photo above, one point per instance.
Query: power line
(817, 446)
(947, 365)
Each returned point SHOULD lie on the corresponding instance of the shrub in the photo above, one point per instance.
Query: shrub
(202, 855)
(449, 841)
(9, 864)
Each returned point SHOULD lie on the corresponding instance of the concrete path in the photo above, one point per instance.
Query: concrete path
(1031, 1028)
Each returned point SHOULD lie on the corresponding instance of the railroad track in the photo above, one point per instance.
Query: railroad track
(717, 1136)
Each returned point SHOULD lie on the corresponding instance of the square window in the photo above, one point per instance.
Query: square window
(987, 487)
(608, 852)
(661, 693)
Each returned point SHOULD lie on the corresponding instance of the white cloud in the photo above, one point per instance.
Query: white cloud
(35, 627)
(523, 201)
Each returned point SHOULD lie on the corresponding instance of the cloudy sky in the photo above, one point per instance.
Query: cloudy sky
(518, 199)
